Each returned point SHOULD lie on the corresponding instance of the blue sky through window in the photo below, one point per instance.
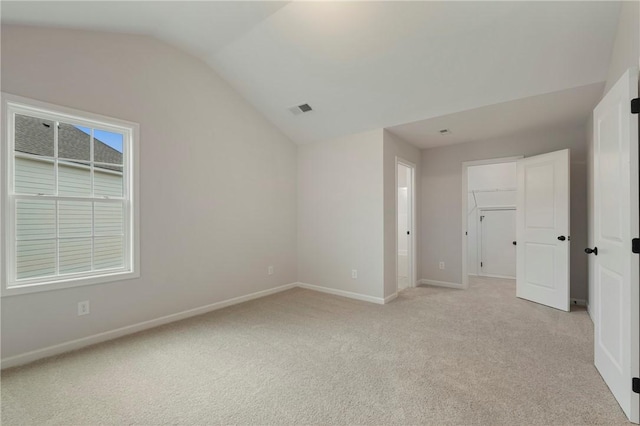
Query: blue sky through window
(114, 140)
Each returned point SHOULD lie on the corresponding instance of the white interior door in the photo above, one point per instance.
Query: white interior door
(615, 197)
(542, 229)
(497, 234)
(403, 238)
(404, 210)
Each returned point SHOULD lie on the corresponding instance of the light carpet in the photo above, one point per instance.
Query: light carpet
(432, 356)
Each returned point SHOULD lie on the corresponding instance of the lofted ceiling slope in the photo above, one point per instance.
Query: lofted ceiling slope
(199, 27)
(366, 65)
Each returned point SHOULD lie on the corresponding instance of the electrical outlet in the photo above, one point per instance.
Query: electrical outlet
(83, 308)
(441, 265)
(354, 274)
(270, 270)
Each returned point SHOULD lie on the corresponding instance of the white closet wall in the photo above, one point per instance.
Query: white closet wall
(491, 185)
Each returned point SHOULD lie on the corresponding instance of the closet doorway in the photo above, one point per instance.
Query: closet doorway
(489, 218)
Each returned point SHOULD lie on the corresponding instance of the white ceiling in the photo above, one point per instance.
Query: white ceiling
(571, 106)
(366, 65)
(199, 27)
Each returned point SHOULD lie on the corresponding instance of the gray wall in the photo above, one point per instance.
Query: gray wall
(347, 211)
(395, 146)
(218, 192)
(441, 190)
(340, 213)
(626, 48)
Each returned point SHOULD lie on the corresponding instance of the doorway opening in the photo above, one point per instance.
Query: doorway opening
(405, 228)
(489, 219)
(537, 189)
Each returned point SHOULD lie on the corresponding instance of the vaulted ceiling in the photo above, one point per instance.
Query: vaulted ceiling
(366, 65)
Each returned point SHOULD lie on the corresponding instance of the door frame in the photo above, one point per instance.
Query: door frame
(413, 272)
(465, 190)
(479, 241)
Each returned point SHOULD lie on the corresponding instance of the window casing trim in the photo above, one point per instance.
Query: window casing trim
(12, 104)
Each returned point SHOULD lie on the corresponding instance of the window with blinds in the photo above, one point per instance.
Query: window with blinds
(69, 197)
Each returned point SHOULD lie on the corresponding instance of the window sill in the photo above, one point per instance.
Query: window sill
(38, 287)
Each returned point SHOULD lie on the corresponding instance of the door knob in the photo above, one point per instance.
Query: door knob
(562, 238)
(408, 232)
(593, 250)
(514, 243)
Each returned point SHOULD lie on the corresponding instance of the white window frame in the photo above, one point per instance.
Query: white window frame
(12, 104)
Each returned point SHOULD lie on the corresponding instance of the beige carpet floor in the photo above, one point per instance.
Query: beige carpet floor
(433, 356)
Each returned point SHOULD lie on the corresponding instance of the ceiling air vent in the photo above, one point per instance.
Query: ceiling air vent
(444, 132)
(296, 110)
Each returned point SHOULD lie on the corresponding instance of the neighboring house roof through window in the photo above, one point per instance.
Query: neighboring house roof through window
(35, 136)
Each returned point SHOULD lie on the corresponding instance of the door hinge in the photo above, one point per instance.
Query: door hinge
(481, 217)
(635, 384)
(635, 245)
(481, 264)
(635, 106)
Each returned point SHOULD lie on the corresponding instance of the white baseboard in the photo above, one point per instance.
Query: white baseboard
(502, 277)
(578, 302)
(71, 345)
(441, 283)
(130, 329)
(349, 294)
(390, 298)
